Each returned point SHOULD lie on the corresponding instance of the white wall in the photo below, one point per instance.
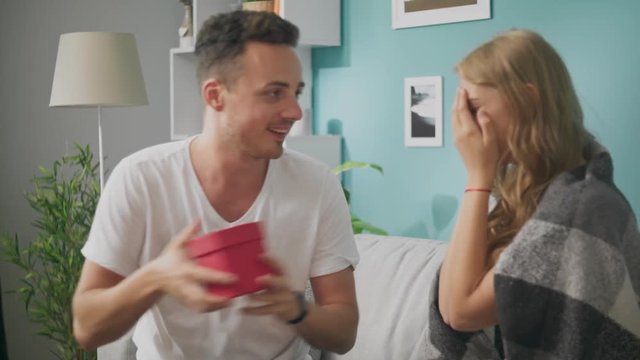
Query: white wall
(32, 134)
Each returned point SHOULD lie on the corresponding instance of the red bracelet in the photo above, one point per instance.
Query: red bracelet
(478, 190)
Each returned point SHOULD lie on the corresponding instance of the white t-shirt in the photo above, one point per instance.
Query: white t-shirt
(153, 194)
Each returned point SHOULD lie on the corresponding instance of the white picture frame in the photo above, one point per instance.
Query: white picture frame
(423, 120)
(411, 13)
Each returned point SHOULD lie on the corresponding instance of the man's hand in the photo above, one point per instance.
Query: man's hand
(185, 280)
(277, 299)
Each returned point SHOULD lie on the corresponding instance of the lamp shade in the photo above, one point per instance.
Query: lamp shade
(97, 69)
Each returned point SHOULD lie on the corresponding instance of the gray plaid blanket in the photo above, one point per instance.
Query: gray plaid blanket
(568, 286)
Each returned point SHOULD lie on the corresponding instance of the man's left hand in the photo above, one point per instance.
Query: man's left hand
(277, 299)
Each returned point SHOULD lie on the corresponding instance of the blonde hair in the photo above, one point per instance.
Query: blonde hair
(546, 136)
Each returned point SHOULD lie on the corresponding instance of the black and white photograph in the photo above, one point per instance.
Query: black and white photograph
(411, 13)
(423, 111)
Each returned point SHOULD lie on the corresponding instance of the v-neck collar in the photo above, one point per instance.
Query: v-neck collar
(208, 207)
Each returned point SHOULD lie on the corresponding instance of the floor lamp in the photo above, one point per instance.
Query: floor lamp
(97, 69)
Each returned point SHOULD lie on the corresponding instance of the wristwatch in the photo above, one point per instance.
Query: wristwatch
(302, 303)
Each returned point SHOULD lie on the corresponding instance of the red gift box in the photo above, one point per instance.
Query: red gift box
(235, 250)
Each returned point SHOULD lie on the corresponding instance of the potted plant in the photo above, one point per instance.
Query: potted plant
(64, 198)
(359, 226)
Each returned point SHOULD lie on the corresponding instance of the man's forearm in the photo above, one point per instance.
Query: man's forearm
(331, 327)
(103, 315)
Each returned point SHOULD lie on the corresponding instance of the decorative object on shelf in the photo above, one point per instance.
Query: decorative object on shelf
(423, 111)
(96, 69)
(64, 198)
(259, 5)
(186, 28)
(410, 13)
(359, 226)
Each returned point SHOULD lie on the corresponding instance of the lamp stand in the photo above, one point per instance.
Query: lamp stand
(100, 148)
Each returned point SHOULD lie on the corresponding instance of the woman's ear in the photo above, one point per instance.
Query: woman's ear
(212, 94)
(533, 92)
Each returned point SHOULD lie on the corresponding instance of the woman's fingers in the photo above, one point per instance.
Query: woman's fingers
(486, 127)
(454, 110)
(463, 118)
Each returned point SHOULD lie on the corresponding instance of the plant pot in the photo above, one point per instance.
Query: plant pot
(258, 6)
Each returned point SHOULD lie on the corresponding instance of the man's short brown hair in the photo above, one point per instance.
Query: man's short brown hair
(223, 38)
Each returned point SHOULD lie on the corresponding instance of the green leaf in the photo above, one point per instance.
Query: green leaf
(350, 165)
(358, 225)
(366, 227)
(64, 198)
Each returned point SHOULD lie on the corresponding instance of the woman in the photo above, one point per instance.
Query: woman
(518, 127)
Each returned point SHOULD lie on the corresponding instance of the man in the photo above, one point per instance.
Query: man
(137, 271)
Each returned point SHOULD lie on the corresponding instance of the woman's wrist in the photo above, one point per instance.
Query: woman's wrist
(479, 190)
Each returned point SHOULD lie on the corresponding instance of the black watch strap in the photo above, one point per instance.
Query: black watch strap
(302, 303)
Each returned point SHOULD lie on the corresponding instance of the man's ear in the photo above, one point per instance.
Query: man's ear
(212, 94)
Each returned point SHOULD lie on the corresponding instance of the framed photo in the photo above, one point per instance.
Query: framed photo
(409, 13)
(423, 111)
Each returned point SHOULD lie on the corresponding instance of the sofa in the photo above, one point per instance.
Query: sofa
(393, 282)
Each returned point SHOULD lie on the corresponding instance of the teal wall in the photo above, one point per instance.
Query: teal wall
(358, 92)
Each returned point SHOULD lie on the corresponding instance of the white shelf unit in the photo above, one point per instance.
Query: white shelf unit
(319, 24)
(185, 101)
